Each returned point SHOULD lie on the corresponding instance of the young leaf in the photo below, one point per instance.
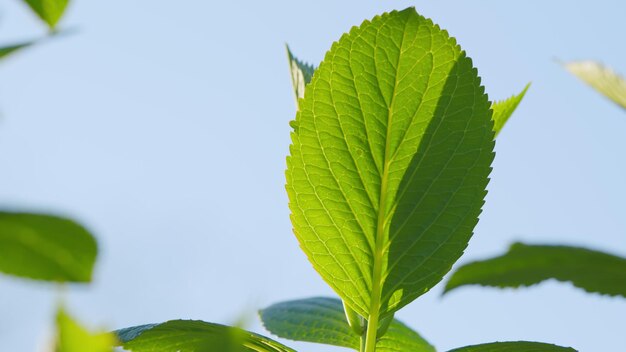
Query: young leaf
(517, 346)
(46, 247)
(388, 167)
(194, 336)
(74, 338)
(503, 109)
(601, 78)
(50, 11)
(10, 49)
(322, 320)
(526, 265)
(301, 74)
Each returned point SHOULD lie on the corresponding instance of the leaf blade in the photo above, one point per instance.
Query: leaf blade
(503, 109)
(602, 78)
(49, 11)
(301, 74)
(72, 337)
(515, 346)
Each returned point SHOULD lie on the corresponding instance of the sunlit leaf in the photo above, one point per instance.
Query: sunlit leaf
(72, 337)
(502, 110)
(194, 336)
(322, 320)
(526, 265)
(517, 346)
(601, 78)
(46, 247)
(49, 11)
(301, 74)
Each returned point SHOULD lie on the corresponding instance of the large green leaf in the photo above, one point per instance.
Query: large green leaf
(502, 110)
(389, 162)
(322, 320)
(71, 337)
(46, 247)
(601, 78)
(517, 346)
(194, 336)
(50, 11)
(526, 265)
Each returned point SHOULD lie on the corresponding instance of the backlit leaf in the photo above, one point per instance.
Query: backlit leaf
(72, 337)
(49, 11)
(517, 346)
(502, 110)
(601, 78)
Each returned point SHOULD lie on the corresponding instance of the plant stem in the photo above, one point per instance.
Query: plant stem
(362, 340)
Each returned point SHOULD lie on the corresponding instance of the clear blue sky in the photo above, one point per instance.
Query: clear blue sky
(163, 127)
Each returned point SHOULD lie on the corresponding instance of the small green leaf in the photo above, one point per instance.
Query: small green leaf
(194, 336)
(322, 320)
(526, 265)
(13, 48)
(388, 168)
(50, 11)
(517, 346)
(601, 78)
(301, 74)
(74, 338)
(45, 247)
(502, 110)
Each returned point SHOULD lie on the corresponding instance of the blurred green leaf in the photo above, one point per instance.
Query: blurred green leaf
(74, 338)
(601, 78)
(46, 247)
(49, 11)
(7, 50)
(503, 109)
(322, 320)
(517, 346)
(194, 336)
(526, 265)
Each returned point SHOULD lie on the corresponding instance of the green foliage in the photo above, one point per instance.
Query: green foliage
(49, 11)
(322, 320)
(194, 336)
(301, 74)
(601, 78)
(7, 50)
(72, 337)
(46, 247)
(526, 265)
(517, 346)
(502, 110)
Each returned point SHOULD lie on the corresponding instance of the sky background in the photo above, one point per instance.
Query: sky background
(164, 128)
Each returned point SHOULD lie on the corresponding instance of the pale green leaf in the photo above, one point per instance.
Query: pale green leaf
(526, 265)
(46, 247)
(517, 346)
(388, 166)
(322, 320)
(194, 336)
(72, 337)
(502, 110)
(601, 78)
(301, 74)
(49, 11)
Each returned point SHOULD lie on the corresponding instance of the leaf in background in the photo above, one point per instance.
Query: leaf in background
(50, 11)
(389, 164)
(503, 109)
(11, 49)
(301, 74)
(46, 247)
(526, 265)
(601, 78)
(194, 336)
(322, 320)
(74, 338)
(517, 346)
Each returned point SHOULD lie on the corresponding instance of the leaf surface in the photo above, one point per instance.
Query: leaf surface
(46, 247)
(601, 78)
(49, 11)
(389, 162)
(517, 346)
(322, 320)
(194, 336)
(526, 265)
(301, 74)
(72, 337)
(502, 110)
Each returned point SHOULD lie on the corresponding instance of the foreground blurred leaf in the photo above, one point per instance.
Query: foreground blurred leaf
(601, 78)
(517, 346)
(194, 336)
(74, 338)
(526, 265)
(388, 166)
(50, 11)
(502, 110)
(322, 320)
(45, 247)
(7, 50)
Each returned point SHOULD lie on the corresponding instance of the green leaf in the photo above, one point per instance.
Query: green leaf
(194, 336)
(517, 346)
(526, 265)
(322, 320)
(49, 11)
(301, 74)
(601, 78)
(502, 110)
(13, 48)
(389, 164)
(74, 338)
(46, 247)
